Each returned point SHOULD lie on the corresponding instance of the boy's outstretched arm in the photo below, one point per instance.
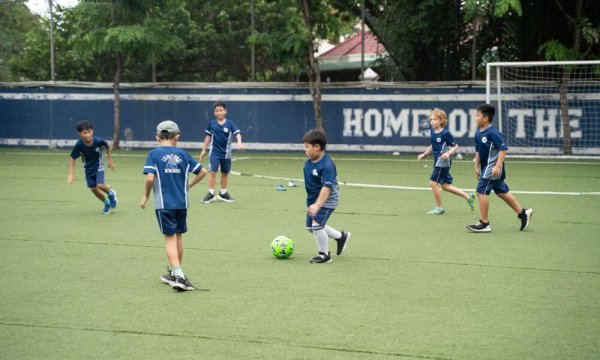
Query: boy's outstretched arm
(147, 189)
(109, 155)
(204, 147)
(238, 137)
(425, 153)
(198, 177)
(71, 176)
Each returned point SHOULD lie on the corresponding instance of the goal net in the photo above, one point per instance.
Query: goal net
(547, 108)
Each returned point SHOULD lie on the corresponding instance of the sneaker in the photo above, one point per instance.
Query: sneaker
(525, 217)
(209, 198)
(112, 197)
(168, 278)
(179, 284)
(471, 201)
(106, 209)
(188, 284)
(342, 242)
(480, 227)
(225, 197)
(321, 258)
(436, 211)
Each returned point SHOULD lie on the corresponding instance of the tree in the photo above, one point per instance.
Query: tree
(15, 21)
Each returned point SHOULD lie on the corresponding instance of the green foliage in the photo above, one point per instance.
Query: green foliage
(554, 50)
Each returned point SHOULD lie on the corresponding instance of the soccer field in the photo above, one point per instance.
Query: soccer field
(81, 285)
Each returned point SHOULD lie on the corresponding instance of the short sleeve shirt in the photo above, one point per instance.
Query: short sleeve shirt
(317, 175)
(90, 155)
(440, 142)
(171, 167)
(489, 143)
(222, 136)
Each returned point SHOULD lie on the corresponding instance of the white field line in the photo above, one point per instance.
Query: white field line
(344, 183)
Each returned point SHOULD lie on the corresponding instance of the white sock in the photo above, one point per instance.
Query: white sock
(322, 240)
(223, 191)
(211, 191)
(332, 233)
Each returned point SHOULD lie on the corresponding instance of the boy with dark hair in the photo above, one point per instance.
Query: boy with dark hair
(490, 151)
(322, 195)
(219, 134)
(89, 148)
(166, 170)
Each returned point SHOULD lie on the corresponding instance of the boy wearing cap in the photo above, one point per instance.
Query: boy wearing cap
(89, 148)
(166, 170)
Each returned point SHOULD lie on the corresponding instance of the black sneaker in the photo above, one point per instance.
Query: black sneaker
(342, 242)
(321, 258)
(179, 284)
(209, 198)
(480, 227)
(226, 197)
(168, 278)
(188, 284)
(525, 217)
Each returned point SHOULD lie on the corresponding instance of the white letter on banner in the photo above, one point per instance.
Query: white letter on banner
(574, 116)
(394, 125)
(353, 122)
(472, 124)
(420, 125)
(458, 121)
(372, 128)
(542, 123)
(520, 114)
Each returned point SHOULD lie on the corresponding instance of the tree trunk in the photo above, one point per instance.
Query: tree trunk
(314, 75)
(117, 108)
(564, 112)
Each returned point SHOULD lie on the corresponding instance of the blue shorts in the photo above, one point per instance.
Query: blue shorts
(215, 163)
(94, 179)
(441, 175)
(320, 218)
(172, 221)
(485, 186)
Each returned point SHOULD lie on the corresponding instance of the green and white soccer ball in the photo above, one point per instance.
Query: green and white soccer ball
(282, 247)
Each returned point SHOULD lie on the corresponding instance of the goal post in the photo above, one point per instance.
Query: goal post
(547, 107)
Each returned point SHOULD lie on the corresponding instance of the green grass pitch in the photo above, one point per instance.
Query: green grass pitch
(80, 285)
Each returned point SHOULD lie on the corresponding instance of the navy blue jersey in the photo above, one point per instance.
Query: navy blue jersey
(440, 143)
(317, 175)
(222, 136)
(90, 155)
(489, 143)
(171, 166)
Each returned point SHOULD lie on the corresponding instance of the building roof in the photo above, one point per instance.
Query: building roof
(347, 54)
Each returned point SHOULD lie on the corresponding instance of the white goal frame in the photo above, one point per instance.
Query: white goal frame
(497, 97)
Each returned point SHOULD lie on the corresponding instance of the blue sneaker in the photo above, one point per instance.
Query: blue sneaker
(112, 197)
(106, 209)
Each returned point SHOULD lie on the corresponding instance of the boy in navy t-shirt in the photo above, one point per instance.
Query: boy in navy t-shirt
(322, 196)
(219, 134)
(442, 146)
(89, 148)
(490, 151)
(167, 168)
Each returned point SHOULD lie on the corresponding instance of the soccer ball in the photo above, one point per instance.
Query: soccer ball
(282, 247)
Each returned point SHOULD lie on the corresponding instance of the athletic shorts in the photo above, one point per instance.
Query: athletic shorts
(215, 163)
(320, 218)
(441, 175)
(94, 179)
(172, 221)
(485, 186)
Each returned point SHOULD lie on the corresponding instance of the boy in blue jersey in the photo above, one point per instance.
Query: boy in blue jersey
(89, 148)
(490, 151)
(220, 133)
(167, 168)
(322, 195)
(442, 146)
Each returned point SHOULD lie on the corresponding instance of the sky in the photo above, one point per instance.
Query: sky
(41, 6)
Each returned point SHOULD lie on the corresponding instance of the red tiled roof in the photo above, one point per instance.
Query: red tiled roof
(352, 46)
